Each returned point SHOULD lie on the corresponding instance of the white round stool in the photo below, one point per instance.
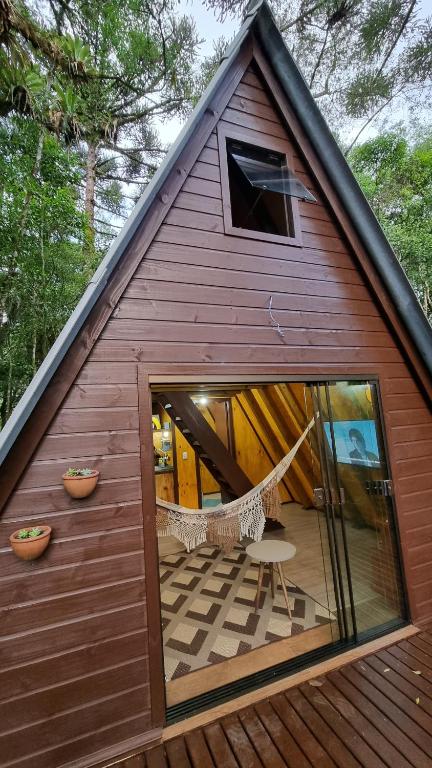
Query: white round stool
(270, 552)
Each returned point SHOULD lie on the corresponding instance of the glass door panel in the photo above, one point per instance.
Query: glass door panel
(329, 497)
(323, 513)
(223, 616)
(361, 495)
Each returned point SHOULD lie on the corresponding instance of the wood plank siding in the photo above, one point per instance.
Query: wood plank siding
(74, 629)
(74, 647)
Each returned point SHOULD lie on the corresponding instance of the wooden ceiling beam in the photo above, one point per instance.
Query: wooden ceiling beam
(286, 435)
(273, 460)
(278, 449)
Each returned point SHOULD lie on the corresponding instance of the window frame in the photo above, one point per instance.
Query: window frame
(272, 143)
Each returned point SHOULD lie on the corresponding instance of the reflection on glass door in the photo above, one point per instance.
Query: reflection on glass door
(329, 560)
(357, 495)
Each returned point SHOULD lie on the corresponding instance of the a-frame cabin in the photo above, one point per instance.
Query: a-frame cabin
(251, 289)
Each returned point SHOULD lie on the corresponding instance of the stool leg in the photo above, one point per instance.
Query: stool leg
(260, 579)
(272, 579)
(279, 567)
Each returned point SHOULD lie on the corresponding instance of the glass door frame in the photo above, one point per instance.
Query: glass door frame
(329, 504)
(334, 500)
(154, 381)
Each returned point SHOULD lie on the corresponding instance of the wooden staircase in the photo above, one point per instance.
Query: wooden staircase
(206, 444)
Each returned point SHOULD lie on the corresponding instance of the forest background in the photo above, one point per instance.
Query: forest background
(88, 87)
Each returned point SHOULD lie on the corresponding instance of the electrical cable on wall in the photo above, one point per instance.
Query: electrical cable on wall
(273, 320)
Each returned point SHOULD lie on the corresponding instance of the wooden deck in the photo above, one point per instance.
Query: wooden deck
(375, 712)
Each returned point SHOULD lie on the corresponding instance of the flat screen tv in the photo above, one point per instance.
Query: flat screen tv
(355, 441)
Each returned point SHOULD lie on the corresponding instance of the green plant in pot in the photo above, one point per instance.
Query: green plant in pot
(80, 483)
(30, 543)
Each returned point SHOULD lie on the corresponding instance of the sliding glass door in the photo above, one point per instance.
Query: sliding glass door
(225, 618)
(354, 492)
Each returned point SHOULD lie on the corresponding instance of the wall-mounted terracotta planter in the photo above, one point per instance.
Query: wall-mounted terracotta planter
(31, 548)
(80, 486)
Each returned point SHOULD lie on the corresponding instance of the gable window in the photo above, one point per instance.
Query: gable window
(260, 190)
(256, 184)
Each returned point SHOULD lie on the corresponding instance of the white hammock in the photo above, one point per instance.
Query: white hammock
(225, 524)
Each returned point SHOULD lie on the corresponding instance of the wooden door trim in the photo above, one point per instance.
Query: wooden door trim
(210, 678)
(192, 373)
(151, 559)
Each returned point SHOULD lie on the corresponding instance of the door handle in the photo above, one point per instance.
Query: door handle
(321, 497)
(379, 487)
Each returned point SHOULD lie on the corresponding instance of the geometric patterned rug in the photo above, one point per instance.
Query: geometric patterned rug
(208, 609)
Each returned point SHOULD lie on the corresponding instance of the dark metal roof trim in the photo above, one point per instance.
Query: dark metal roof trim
(260, 19)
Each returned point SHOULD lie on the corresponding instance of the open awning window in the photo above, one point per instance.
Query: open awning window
(271, 176)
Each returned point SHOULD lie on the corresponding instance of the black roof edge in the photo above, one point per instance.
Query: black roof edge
(345, 185)
(55, 356)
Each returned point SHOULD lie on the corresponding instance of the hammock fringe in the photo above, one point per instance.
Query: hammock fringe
(226, 524)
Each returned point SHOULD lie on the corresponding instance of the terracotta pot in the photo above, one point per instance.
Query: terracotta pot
(30, 549)
(79, 487)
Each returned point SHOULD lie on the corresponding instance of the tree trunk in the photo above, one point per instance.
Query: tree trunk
(90, 192)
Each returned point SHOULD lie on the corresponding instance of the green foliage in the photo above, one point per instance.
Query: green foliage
(80, 90)
(396, 177)
(35, 532)
(210, 65)
(21, 87)
(24, 533)
(42, 270)
(98, 75)
(367, 91)
(77, 51)
(73, 472)
(382, 15)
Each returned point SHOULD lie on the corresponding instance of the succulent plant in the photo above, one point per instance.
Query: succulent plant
(23, 534)
(29, 534)
(35, 532)
(74, 472)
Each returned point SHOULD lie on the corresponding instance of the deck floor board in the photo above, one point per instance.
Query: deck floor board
(281, 736)
(375, 712)
(219, 746)
(198, 750)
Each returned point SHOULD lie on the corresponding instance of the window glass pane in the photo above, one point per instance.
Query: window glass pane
(264, 175)
(261, 210)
